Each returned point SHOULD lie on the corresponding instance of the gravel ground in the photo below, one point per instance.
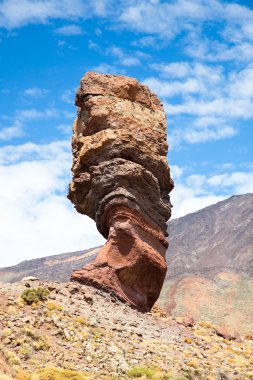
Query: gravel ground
(87, 330)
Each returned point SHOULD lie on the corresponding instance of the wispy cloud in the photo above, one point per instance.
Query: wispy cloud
(15, 130)
(35, 92)
(66, 129)
(182, 78)
(169, 89)
(30, 12)
(187, 20)
(20, 118)
(196, 191)
(125, 59)
(208, 99)
(222, 107)
(68, 96)
(69, 30)
(105, 68)
(42, 11)
(165, 19)
(193, 135)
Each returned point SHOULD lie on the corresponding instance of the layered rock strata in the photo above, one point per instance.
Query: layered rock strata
(121, 179)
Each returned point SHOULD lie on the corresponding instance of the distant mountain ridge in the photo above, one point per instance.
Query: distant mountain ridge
(216, 237)
(210, 265)
(57, 267)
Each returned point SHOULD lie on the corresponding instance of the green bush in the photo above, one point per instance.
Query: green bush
(56, 374)
(148, 373)
(33, 295)
(140, 372)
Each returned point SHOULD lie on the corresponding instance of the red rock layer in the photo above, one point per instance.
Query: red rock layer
(121, 179)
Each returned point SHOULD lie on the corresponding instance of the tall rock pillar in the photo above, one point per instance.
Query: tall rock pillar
(121, 179)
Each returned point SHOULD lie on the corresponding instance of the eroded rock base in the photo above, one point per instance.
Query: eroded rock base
(132, 263)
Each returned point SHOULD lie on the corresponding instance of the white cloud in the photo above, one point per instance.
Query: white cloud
(16, 13)
(16, 130)
(219, 107)
(165, 19)
(170, 89)
(68, 96)
(195, 78)
(124, 59)
(36, 218)
(205, 102)
(162, 20)
(25, 116)
(94, 46)
(35, 92)
(214, 133)
(200, 130)
(105, 68)
(222, 52)
(241, 182)
(176, 171)
(34, 114)
(187, 204)
(173, 70)
(66, 129)
(11, 154)
(241, 83)
(190, 195)
(146, 42)
(196, 191)
(69, 30)
(101, 7)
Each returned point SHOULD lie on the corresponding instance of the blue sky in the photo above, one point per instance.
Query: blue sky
(195, 54)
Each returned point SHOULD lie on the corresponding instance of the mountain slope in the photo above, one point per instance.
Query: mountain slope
(210, 265)
(214, 238)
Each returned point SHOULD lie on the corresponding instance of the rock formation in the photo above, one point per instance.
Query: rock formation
(121, 179)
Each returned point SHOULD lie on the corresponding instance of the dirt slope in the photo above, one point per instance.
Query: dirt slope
(81, 329)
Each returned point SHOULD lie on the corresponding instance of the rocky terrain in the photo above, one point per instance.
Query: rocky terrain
(121, 179)
(79, 332)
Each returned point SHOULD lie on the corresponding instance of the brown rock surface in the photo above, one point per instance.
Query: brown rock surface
(121, 179)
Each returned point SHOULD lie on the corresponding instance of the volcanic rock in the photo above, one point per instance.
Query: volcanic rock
(121, 179)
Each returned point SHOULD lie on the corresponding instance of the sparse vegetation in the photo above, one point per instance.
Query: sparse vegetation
(53, 374)
(32, 296)
(153, 374)
(54, 306)
(100, 343)
(138, 372)
(11, 358)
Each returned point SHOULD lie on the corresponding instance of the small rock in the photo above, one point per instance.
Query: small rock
(224, 333)
(185, 321)
(29, 278)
